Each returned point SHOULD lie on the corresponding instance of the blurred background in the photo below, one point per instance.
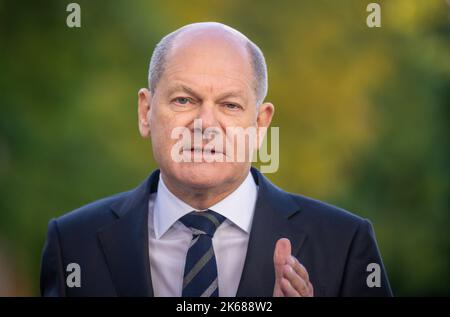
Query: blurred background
(363, 115)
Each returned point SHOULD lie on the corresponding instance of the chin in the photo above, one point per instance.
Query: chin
(204, 175)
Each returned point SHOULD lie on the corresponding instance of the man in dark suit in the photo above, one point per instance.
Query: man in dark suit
(213, 226)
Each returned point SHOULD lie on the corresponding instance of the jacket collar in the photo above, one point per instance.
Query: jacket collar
(125, 242)
(273, 211)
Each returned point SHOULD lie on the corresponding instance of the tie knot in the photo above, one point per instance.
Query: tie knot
(203, 222)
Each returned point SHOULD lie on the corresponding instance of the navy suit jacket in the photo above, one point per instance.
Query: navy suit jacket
(108, 239)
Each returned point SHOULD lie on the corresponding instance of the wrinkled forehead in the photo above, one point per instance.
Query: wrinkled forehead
(210, 52)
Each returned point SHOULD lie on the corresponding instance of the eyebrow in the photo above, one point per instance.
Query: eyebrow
(186, 89)
(230, 94)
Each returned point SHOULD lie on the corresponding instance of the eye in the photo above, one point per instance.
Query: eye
(233, 106)
(182, 100)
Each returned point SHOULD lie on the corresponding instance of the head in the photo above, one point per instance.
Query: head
(206, 71)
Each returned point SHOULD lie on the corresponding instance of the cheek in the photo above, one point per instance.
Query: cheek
(158, 129)
(162, 126)
(244, 121)
(159, 119)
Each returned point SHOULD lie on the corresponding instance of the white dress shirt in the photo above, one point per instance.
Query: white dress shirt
(169, 239)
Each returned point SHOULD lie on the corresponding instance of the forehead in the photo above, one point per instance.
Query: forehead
(213, 60)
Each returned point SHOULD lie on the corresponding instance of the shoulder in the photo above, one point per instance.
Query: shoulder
(325, 216)
(306, 211)
(324, 209)
(91, 216)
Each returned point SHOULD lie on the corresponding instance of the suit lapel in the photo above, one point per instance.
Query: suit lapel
(125, 242)
(273, 210)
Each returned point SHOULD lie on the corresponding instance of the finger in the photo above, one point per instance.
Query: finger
(299, 268)
(287, 289)
(296, 281)
(277, 292)
(281, 255)
(310, 289)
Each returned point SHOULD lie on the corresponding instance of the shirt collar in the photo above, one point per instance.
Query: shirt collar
(238, 207)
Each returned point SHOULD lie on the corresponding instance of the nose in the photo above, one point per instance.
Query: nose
(207, 113)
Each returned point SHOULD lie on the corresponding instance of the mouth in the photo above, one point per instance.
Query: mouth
(202, 150)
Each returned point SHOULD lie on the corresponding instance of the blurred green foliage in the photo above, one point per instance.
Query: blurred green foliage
(363, 116)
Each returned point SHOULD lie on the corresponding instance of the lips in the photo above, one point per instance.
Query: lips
(201, 150)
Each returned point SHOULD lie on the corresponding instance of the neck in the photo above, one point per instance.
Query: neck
(202, 198)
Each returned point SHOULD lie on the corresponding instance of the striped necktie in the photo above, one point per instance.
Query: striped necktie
(200, 271)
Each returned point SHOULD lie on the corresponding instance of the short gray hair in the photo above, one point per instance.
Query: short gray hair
(158, 62)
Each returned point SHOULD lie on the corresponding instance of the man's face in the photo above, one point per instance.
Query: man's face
(207, 77)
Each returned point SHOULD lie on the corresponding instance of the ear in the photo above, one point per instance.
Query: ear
(263, 120)
(144, 105)
(265, 114)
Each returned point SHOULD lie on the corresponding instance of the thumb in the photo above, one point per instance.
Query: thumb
(281, 255)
